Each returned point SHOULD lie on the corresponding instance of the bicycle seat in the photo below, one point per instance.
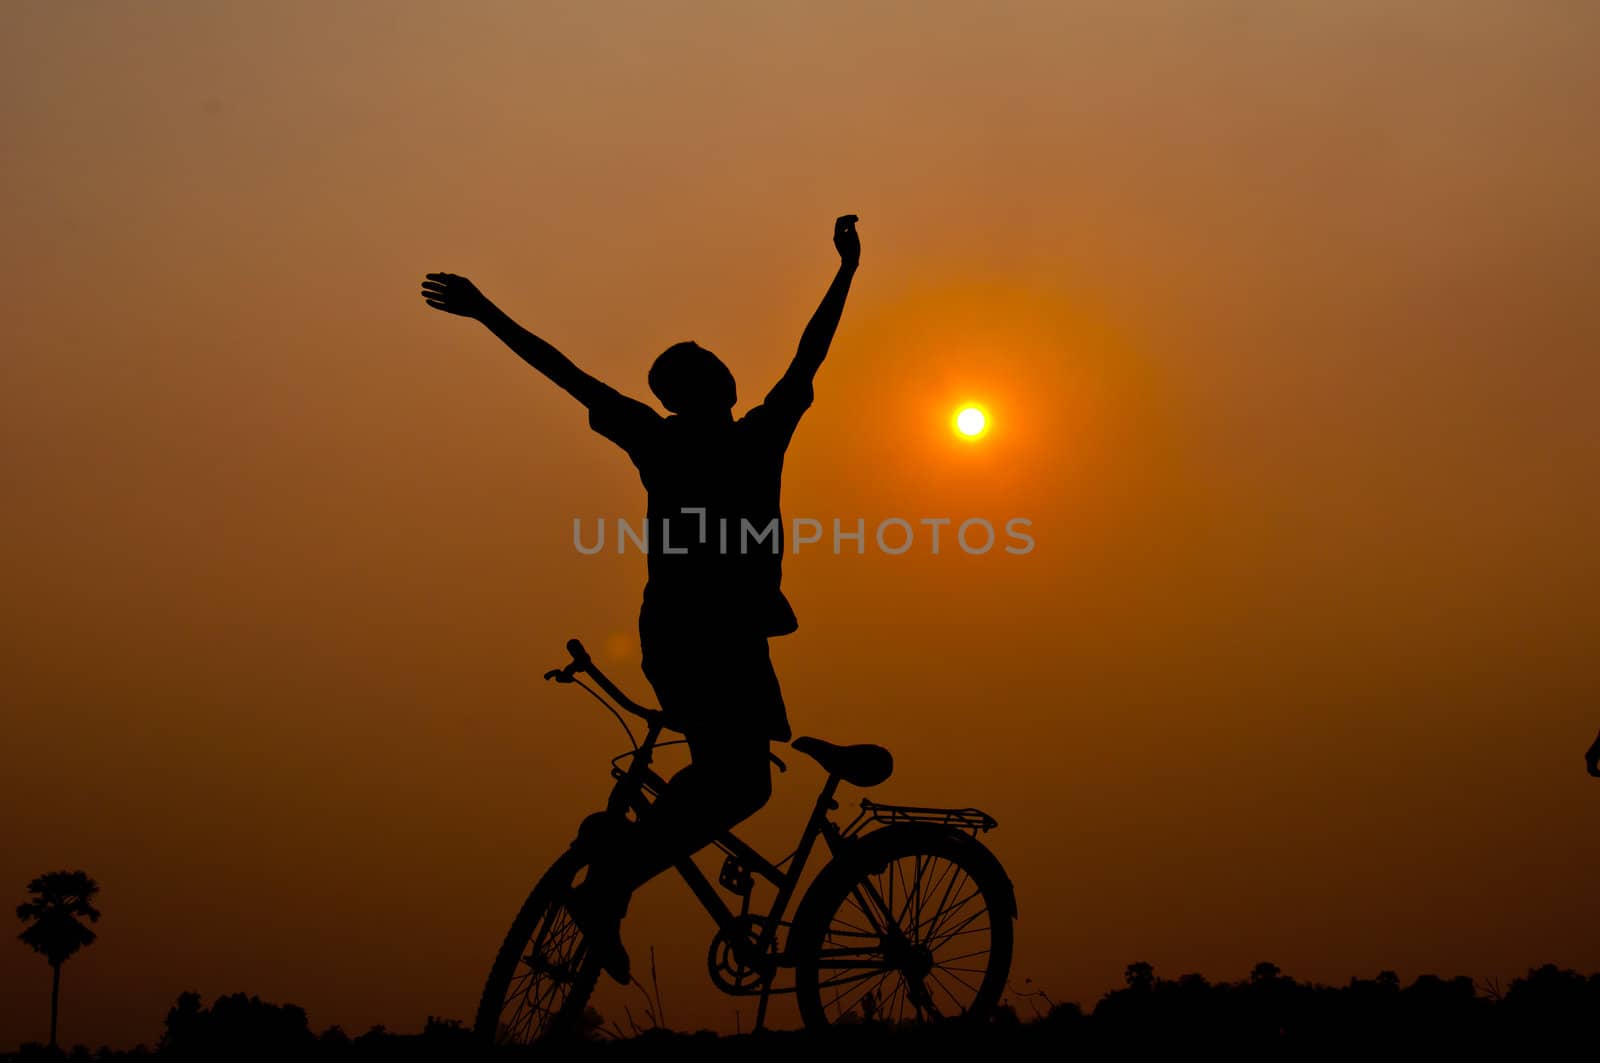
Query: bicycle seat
(860, 765)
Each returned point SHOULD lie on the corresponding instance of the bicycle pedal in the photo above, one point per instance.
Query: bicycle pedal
(735, 878)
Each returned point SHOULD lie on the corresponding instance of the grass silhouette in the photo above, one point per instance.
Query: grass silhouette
(1266, 1012)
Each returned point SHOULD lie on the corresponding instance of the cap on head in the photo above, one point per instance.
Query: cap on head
(688, 379)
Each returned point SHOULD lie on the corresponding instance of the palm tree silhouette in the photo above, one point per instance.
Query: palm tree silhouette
(54, 930)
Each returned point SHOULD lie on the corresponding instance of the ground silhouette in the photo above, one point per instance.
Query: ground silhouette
(1267, 1011)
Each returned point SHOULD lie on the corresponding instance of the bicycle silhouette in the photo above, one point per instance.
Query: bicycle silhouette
(911, 920)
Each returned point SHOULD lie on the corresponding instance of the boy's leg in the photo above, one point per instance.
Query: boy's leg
(723, 691)
(728, 779)
(725, 695)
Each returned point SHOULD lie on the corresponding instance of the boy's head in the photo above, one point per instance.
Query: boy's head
(690, 380)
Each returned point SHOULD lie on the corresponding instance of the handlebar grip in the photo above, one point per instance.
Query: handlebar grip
(582, 663)
(580, 656)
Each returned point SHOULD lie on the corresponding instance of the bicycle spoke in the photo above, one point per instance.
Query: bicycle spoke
(947, 873)
(958, 928)
(868, 991)
(861, 906)
(901, 993)
(855, 939)
(945, 908)
(866, 972)
(960, 1007)
(880, 905)
(916, 918)
(947, 938)
(964, 956)
(905, 907)
(888, 902)
(876, 977)
(837, 951)
(841, 921)
(547, 972)
(922, 999)
(947, 870)
(965, 985)
(949, 910)
(968, 985)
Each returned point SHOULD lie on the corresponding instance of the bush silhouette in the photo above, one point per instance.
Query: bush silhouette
(237, 1027)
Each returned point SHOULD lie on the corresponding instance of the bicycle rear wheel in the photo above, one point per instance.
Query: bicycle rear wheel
(544, 973)
(915, 926)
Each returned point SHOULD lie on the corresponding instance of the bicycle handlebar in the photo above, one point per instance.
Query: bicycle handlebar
(582, 662)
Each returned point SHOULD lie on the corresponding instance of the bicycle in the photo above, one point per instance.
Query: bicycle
(909, 921)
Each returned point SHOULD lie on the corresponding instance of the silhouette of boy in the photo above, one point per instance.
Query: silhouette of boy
(1591, 758)
(715, 557)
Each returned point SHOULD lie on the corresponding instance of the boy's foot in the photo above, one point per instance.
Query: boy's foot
(601, 924)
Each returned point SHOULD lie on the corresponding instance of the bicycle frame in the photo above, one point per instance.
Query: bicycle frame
(636, 783)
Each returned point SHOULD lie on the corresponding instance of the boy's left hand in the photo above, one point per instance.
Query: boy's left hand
(846, 241)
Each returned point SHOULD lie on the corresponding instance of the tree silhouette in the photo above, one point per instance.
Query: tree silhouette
(1264, 972)
(55, 931)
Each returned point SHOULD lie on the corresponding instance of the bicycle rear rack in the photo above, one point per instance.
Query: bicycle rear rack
(972, 820)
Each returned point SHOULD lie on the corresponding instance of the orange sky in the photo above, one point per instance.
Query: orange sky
(1284, 316)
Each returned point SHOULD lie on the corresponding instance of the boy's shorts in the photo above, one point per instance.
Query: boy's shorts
(722, 682)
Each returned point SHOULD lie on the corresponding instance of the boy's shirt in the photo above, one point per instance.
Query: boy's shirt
(729, 572)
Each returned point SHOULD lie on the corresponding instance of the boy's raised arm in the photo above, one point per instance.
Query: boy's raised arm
(817, 337)
(459, 296)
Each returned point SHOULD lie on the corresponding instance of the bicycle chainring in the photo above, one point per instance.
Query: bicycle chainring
(722, 960)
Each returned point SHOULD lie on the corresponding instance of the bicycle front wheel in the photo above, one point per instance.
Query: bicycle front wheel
(543, 976)
(916, 926)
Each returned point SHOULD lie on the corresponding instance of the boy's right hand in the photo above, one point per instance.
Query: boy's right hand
(454, 295)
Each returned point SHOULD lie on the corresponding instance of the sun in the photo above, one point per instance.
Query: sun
(971, 422)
